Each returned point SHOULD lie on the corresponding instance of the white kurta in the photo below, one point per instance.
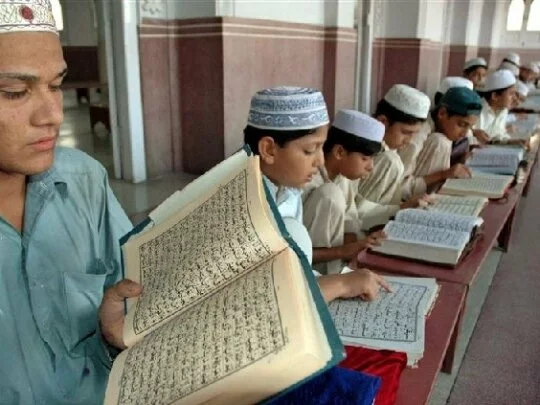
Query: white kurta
(435, 156)
(379, 195)
(494, 124)
(413, 186)
(329, 213)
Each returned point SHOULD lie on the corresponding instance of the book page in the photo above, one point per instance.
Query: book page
(471, 205)
(394, 321)
(479, 184)
(423, 235)
(496, 157)
(253, 328)
(199, 250)
(442, 220)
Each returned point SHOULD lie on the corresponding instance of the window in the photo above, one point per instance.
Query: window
(533, 24)
(516, 11)
(57, 14)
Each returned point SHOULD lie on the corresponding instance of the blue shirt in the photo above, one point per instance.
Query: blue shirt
(52, 278)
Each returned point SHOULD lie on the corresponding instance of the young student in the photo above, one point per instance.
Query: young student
(528, 74)
(415, 186)
(475, 70)
(454, 116)
(403, 111)
(330, 214)
(59, 229)
(287, 128)
(498, 95)
(522, 91)
(511, 62)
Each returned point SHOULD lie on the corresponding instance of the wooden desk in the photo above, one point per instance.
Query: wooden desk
(498, 219)
(442, 329)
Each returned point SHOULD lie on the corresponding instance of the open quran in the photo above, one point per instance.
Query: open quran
(496, 159)
(230, 313)
(394, 321)
(480, 184)
(461, 205)
(429, 236)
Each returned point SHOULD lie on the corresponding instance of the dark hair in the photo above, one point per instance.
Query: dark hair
(253, 135)
(437, 98)
(451, 113)
(471, 69)
(487, 94)
(351, 143)
(394, 115)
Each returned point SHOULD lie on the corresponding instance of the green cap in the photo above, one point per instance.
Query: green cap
(462, 101)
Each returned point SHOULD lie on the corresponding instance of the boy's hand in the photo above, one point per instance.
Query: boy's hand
(351, 250)
(458, 171)
(417, 202)
(363, 283)
(481, 136)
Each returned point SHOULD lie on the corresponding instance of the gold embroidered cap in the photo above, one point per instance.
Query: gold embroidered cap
(26, 16)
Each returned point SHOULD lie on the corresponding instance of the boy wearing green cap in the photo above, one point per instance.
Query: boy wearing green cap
(453, 118)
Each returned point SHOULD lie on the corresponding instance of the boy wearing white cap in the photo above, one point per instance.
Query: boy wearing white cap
(522, 91)
(454, 116)
(330, 213)
(475, 70)
(528, 74)
(403, 111)
(415, 184)
(498, 95)
(59, 229)
(287, 127)
(511, 62)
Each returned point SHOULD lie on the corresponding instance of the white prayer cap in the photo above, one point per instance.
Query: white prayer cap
(26, 16)
(408, 100)
(513, 58)
(475, 62)
(454, 81)
(501, 79)
(522, 89)
(359, 124)
(533, 66)
(510, 67)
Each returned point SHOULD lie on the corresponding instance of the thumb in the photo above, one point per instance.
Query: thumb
(124, 289)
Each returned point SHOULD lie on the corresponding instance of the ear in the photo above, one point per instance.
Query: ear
(339, 152)
(383, 119)
(442, 113)
(267, 149)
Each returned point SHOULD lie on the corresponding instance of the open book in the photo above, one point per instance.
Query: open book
(229, 314)
(394, 321)
(480, 184)
(451, 204)
(429, 236)
(496, 159)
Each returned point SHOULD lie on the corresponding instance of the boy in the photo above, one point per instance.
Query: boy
(454, 116)
(498, 95)
(287, 127)
(528, 75)
(475, 70)
(403, 111)
(511, 62)
(329, 209)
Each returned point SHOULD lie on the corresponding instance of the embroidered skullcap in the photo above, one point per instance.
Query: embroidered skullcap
(522, 89)
(510, 67)
(408, 100)
(513, 58)
(501, 79)
(454, 81)
(288, 109)
(26, 16)
(475, 62)
(360, 125)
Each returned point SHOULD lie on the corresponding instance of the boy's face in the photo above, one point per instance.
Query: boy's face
(454, 127)
(503, 100)
(526, 74)
(399, 134)
(518, 99)
(477, 76)
(294, 164)
(354, 165)
(31, 71)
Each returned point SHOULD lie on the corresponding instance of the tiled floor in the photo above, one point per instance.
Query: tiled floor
(76, 132)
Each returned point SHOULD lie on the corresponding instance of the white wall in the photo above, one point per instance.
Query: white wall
(474, 22)
(79, 23)
(396, 19)
(431, 20)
